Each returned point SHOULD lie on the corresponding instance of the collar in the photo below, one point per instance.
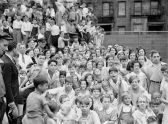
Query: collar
(8, 55)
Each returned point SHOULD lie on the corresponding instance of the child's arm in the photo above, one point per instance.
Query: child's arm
(48, 111)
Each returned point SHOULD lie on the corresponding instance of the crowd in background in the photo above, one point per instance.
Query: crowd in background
(54, 69)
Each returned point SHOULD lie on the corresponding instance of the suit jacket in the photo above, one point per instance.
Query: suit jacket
(10, 75)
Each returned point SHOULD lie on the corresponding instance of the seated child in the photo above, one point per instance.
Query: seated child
(37, 104)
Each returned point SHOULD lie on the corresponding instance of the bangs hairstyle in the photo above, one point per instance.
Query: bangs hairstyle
(96, 87)
(133, 77)
(105, 96)
(136, 61)
(124, 94)
(84, 81)
(113, 69)
(85, 100)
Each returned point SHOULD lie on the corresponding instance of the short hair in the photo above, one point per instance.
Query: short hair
(40, 54)
(123, 58)
(39, 80)
(62, 73)
(136, 61)
(153, 52)
(105, 96)
(63, 96)
(113, 69)
(130, 80)
(11, 46)
(96, 87)
(52, 60)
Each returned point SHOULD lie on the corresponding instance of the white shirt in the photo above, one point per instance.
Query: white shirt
(40, 36)
(27, 59)
(55, 30)
(26, 26)
(85, 11)
(61, 43)
(23, 8)
(48, 27)
(17, 24)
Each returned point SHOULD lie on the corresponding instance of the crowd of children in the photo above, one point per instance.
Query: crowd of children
(67, 76)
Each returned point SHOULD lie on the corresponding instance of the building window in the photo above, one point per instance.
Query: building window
(108, 9)
(121, 29)
(137, 8)
(154, 7)
(137, 27)
(122, 8)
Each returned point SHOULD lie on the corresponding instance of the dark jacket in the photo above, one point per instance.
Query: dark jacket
(10, 75)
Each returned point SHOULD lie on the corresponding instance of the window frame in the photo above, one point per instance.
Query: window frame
(118, 12)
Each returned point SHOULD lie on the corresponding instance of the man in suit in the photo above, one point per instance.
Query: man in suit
(10, 76)
(4, 40)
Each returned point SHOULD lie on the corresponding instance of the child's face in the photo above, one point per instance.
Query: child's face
(135, 83)
(96, 93)
(52, 66)
(106, 102)
(127, 100)
(72, 71)
(142, 103)
(68, 86)
(100, 65)
(105, 86)
(89, 79)
(89, 65)
(155, 109)
(43, 87)
(75, 79)
(114, 75)
(77, 91)
(165, 73)
(65, 100)
(136, 67)
(83, 85)
(156, 97)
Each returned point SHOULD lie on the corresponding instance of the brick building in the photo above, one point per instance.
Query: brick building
(131, 15)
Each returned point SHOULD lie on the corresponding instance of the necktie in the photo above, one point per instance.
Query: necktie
(23, 59)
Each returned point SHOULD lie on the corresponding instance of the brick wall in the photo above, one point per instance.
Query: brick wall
(148, 41)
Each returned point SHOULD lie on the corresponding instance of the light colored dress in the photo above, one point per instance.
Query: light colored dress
(108, 115)
(34, 109)
(141, 118)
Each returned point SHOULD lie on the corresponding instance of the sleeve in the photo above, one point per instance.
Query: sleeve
(96, 118)
(7, 80)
